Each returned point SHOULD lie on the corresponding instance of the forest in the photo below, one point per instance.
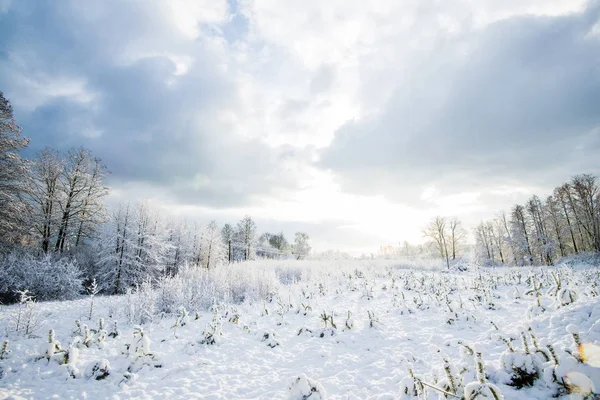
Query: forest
(57, 234)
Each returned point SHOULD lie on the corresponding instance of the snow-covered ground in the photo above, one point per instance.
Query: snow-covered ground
(398, 328)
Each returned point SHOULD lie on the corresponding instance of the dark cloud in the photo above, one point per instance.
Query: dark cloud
(514, 102)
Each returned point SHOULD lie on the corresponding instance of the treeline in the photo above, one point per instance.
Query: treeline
(57, 236)
(541, 231)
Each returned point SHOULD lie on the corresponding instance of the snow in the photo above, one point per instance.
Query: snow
(390, 319)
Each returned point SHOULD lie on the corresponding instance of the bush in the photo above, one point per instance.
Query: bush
(46, 278)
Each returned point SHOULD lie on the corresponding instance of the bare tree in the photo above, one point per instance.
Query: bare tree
(438, 232)
(587, 192)
(212, 254)
(457, 235)
(44, 194)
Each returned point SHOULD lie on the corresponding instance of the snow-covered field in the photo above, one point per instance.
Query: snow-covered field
(351, 330)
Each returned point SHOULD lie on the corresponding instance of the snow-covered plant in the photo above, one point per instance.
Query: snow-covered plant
(535, 288)
(328, 318)
(213, 331)
(536, 309)
(306, 308)
(98, 370)
(573, 330)
(523, 367)
(349, 321)
(581, 385)
(139, 351)
(304, 388)
(269, 338)
(373, 321)
(556, 287)
(451, 383)
(53, 345)
(114, 331)
(5, 351)
(410, 386)
(183, 316)
(78, 330)
(26, 318)
(92, 290)
(87, 337)
(234, 316)
(141, 343)
(67, 358)
(566, 296)
(516, 293)
(101, 337)
(175, 326)
(481, 389)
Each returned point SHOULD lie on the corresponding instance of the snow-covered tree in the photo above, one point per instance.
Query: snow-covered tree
(213, 252)
(13, 176)
(301, 248)
(246, 234)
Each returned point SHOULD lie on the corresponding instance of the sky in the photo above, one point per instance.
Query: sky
(355, 121)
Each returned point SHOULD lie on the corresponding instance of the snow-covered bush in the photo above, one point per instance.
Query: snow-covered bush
(25, 317)
(98, 370)
(213, 331)
(523, 367)
(269, 338)
(53, 345)
(46, 278)
(304, 388)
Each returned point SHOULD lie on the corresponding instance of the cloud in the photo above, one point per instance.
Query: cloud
(358, 119)
(514, 101)
(150, 88)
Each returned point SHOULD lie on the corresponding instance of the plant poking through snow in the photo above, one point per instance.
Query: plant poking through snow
(115, 331)
(141, 355)
(410, 386)
(349, 322)
(303, 388)
(574, 331)
(481, 389)
(182, 319)
(92, 291)
(26, 318)
(373, 321)
(53, 345)
(566, 296)
(99, 370)
(4, 351)
(269, 337)
(523, 367)
(213, 330)
(328, 318)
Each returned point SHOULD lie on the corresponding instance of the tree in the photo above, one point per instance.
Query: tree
(437, 231)
(13, 174)
(301, 245)
(279, 242)
(457, 235)
(246, 231)
(587, 194)
(227, 237)
(44, 194)
(212, 246)
(66, 194)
